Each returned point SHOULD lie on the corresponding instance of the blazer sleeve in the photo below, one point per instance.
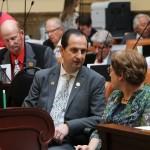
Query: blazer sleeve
(96, 108)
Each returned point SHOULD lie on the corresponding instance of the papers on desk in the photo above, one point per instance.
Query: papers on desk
(143, 127)
(6, 73)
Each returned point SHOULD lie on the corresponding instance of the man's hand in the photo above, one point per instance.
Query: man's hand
(60, 132)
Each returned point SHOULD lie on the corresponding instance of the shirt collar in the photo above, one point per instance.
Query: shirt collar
(63, 72)
(20, 57)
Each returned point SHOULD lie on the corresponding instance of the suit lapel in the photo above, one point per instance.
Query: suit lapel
(30, 61)
(53, 81)
(77, 86)
(6, 58)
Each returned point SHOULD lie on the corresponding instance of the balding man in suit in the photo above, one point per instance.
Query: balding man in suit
(24, 54)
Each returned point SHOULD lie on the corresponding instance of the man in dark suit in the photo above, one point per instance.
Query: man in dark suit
(139, 23)
(86, 99)
(27, 55)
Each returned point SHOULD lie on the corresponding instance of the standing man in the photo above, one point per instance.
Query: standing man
(17, 53)
(54, 29)
(74, 104)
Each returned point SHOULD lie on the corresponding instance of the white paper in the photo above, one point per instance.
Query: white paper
(7, 69)
(144, 127)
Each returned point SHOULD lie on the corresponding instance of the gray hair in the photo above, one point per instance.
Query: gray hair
(136, 20)
(100, 36)
(58, 22)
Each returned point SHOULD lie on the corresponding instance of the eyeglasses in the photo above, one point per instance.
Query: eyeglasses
(52, 31)
(109, 70)
(99, 47)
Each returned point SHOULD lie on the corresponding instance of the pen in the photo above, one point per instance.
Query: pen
(4, 99)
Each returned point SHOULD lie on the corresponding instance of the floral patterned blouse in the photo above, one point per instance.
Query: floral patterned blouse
(135, 113)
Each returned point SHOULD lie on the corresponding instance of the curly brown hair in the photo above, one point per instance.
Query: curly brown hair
(132, 64)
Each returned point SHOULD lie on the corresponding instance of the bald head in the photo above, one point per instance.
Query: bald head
(13, 36)
(9, 26)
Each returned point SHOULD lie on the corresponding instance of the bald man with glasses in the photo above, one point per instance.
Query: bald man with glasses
(54, 30)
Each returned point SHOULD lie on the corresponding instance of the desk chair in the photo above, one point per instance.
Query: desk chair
(20, 85)
(25, 129)
(130, 43)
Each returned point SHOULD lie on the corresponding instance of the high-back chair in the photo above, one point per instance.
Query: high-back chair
(25, 129)
(20, 85)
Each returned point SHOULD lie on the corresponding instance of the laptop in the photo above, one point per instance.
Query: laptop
(90, 58)
(102, 70)
(146, 50)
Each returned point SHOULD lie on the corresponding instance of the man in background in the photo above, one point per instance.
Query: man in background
(84, 24)
(139, 23)
(102, 44)
(54, 29)
(20, 54)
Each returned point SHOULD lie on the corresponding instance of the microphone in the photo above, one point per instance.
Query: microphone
(141, 35)
(111, 25)
(26, 16)
(2, 70)
(2, 5)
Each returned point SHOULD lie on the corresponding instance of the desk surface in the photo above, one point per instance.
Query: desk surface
(118, 137)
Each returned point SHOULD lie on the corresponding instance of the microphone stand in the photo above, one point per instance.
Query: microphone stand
(2, 5)
(140, 35)
(114, 18)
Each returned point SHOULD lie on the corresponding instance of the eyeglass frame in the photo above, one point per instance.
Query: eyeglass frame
(109, 70)
(52, 31)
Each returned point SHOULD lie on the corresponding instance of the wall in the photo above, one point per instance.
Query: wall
(44, 9)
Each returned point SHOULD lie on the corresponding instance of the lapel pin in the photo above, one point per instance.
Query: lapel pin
(52, 83)
(30, 64)
(77, 84)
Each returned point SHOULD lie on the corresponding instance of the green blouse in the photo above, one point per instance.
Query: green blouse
(136, 112)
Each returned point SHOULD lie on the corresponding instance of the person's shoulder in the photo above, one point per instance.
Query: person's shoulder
(3, 51)
(48, 43)
(34, 45)
(38, 48)
(46, 72)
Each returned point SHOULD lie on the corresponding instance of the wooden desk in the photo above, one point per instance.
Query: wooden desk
(117, 137)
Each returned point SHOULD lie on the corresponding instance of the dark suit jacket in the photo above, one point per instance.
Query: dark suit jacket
(85, 105)
(49, 43)
(39, 55)
(128, 36)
